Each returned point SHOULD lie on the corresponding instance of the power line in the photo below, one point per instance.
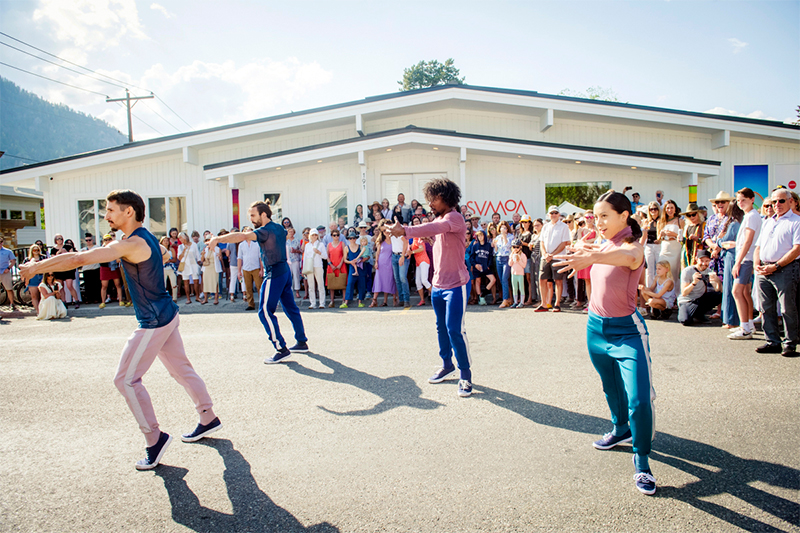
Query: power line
(71, 63)
(51, 79)
(168, 107)
(125, 84)
(162, 118)
(140, 120)
(19, 157)
(61, 66)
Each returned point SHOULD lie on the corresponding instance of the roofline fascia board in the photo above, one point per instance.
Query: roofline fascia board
(335, 150)
(400, 100)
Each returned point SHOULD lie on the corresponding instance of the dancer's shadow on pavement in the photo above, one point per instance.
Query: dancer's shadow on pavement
(718, 471)
(253, 510)
(395, 391)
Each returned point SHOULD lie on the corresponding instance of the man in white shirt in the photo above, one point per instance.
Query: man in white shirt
(742, 270)
(555, 238)
(91, 273)
(249, 259)
(776, 261)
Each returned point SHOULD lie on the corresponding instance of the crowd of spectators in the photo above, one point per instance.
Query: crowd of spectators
(698, 262)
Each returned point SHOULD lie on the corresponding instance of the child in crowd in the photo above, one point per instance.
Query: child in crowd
(480, 256)
(423, 262)
(660, 296)
(517, 262)
(212, 266)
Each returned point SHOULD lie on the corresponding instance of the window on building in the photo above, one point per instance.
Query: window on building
(337, 203)
(165, 213)
(91, 219)
(30, 217)
(275, 205)
(16, 215)
(87, 219)
(4, 213)
(582, 194)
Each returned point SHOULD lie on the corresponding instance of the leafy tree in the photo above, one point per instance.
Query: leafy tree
(581, 194)
(593, 93)
(429, 74)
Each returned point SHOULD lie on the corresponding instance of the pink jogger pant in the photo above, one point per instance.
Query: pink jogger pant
(139, 353)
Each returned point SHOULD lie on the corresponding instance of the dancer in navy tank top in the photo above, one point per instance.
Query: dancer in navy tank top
(157, 334)
(277, 284)
(616, 334)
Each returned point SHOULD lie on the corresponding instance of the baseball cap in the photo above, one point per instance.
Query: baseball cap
(553, 208)
(320, 227)
(313, 232)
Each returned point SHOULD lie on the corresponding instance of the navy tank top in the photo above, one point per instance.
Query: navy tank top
(272, 239)
(151, 301)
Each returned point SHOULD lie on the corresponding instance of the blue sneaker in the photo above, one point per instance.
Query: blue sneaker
(278, 357)
(645, 481)
(464, 388)
(202, 431)
(442, 374)
(300, 347)
(154, 453)
(610, 440)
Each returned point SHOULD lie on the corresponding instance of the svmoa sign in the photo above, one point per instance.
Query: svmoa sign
(501, 206)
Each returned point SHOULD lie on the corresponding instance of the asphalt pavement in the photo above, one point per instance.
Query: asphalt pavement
(352, 438)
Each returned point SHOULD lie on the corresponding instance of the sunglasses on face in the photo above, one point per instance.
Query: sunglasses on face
(691, 214)
(334, 234)
(780, 201)
(653, 209)
(589, 217)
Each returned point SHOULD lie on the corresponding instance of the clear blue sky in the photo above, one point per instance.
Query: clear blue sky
(220, 62)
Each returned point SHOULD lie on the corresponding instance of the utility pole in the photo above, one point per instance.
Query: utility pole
(127, 101)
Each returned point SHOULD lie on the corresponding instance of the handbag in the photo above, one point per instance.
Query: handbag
(181, 265)
(308, 267)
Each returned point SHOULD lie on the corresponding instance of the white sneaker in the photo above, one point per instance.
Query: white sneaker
(740, 334)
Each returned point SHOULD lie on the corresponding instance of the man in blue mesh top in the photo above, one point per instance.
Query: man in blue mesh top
(277, 284)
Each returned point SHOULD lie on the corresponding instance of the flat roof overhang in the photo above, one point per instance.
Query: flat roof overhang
(413, 137)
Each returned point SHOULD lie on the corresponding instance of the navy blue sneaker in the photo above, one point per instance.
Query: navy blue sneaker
(610, 440)
(464, 388)
(300, 347)
(154, 453)
(278, 357)
(202, 431)
(645, 481)
(442, 374)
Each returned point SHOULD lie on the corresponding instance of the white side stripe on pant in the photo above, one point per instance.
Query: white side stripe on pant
(264, 300)
(646, 345)
(129, 391)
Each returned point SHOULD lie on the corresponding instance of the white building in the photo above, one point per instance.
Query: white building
(504, 147)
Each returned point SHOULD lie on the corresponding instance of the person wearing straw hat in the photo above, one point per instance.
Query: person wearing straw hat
(692, 237)
(711, 234)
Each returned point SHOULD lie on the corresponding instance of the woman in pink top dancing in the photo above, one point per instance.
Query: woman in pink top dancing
(616, 335)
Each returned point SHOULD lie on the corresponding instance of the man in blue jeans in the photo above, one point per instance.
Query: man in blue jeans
(400, 267)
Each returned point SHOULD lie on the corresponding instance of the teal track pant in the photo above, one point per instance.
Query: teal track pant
(619, 348)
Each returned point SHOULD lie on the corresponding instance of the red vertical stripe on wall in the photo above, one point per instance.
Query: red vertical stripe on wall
(235, 199)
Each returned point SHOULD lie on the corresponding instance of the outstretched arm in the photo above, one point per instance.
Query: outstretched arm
(235, 237)
(628, 255)
(134, 250)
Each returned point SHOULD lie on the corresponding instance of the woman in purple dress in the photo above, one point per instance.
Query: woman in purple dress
(384, 277)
